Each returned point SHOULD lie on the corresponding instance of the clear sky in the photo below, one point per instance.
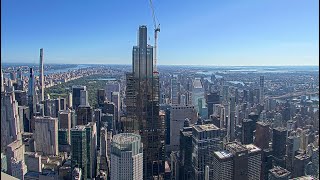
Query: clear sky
(208, 32)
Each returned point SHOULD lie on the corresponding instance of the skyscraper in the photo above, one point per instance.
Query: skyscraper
(2, 81)
(79, 149)
(212, 98)
(65, 122)
(185, 155)
(240, 159)
(115, 98)
(84, 98)
(178, 114)
(32, 94)
(222, 165)
(262, 135)
(197, 93)
(261, 89)
(101, 97)
(279, 138)
(84, 115)
(41, 76)
(46, 135)
(91, 137)
(111, 86)
(10, 125)
(142, 100)
(126, 157)
(232, 118)
(247, 131)
(237, 162)
(76, 94)
(15, 159)
(174, 90)
(205, 140)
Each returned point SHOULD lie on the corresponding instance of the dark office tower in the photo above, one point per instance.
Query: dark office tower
(253, 116)
(300, 162)
(64, 140)
(32, 94)
(245, 96)
(247, 131)
(50, 108)
(266, 163)
(240, 159)
(101, 97)
(262, 135)
(63, 104)
(21, 97)
(261, 89)
(25, 118)
(19, 85)
(64, 118)
(142, 100)
(110, 108)
(256, 95)
(57, 106)
(84, 115)
(232, 118)
(236, 95)
(167, 124)
(251, 96)
(41, 76)
(185, 156)
(212, 98)
(91, 134)
(97, 120)
(79, 149)
(76, 95)
(279, 145)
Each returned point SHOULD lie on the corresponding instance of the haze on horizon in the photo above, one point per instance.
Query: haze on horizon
(233, 33)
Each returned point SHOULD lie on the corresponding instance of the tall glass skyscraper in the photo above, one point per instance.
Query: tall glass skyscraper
(142, 100)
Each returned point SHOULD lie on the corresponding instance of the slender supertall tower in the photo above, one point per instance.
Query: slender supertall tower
(31, 94)
(41, 79)
(261, 89)
(2, 81)
(232, 117)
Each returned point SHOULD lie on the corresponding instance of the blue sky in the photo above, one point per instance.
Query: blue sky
(209, 32)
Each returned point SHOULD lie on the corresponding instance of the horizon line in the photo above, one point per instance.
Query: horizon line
(165, 64)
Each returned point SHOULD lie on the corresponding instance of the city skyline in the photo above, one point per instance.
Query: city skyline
(218, 33)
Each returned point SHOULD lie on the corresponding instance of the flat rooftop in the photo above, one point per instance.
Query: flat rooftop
(303, 178)
(262, 123)
(79, 128)
(205, 127)
(252, 148)
(223, 154)
(302, 156)
(125, 138)
(279, 172)
(236, 147)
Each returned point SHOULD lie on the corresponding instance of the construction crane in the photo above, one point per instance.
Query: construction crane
(156, 30)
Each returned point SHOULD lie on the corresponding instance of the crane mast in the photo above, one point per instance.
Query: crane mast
(156, 30)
